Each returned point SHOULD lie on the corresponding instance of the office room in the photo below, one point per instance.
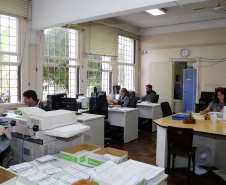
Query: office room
(188, 36)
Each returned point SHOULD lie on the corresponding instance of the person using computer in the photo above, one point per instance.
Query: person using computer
(31, 100)
(124, 98)
(218, 103)
(150, 94)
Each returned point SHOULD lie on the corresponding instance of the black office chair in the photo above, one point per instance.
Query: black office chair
(166, 110)
(156, 99)
(3, 154)
(133, 102)
(132, 94)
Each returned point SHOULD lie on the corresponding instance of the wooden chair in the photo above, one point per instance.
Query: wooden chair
(180, 143)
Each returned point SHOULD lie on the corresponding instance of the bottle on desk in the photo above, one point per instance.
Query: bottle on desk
(214, 118)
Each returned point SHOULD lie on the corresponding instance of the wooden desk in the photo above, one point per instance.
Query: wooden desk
(205, 133)
(95, 135)
(127, 119)
(150, 111)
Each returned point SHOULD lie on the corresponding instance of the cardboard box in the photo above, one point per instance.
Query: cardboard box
(7, 177)
(83, 182)
(123, 156)
(70, 153)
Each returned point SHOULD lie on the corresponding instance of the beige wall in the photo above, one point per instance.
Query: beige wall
(209, 43)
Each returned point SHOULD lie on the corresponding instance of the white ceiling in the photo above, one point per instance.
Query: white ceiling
(174, 16)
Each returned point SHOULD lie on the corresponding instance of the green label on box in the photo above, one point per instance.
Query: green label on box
(82, 158)
(142, 183)
(17, 112)
(94, 162)
(69, 157)
(94, 182)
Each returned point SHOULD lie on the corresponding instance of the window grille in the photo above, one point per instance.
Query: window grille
(126, 62)
(99, 73)
(60, 70)
(9, 64)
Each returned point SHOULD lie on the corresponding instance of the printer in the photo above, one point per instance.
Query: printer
(37, 133)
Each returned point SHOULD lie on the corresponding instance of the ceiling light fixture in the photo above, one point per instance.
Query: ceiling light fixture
(156, 12)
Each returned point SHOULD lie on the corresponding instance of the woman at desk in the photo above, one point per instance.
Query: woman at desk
(218, 103)
(124, 98)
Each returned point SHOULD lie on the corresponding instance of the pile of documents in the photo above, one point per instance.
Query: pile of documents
(49, 170)
(112, 174)
(20, 167)
(148, 172)
(45, 159)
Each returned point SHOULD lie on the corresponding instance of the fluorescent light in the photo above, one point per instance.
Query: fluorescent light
(156, 12)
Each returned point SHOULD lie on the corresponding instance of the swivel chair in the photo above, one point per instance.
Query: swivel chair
(166, 110)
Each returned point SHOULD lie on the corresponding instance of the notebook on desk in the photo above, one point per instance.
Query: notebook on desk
(180, 117)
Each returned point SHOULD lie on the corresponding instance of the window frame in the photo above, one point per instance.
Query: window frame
(10, 63)
(128, 64)
(63, 65)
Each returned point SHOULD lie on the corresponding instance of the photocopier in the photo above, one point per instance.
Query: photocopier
(38, 133)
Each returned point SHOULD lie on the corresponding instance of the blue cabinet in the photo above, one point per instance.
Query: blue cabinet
(189, 92)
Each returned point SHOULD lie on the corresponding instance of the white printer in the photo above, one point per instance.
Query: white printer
(38, 133)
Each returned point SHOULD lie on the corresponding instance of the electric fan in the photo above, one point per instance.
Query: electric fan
(203, 156)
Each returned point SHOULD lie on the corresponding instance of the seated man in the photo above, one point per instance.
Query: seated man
(150, 94)
(30, 98)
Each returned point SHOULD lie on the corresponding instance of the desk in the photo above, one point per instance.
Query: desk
(95, 135)
(178, 106)
(205, 133)
(150, 111)
(127, 119)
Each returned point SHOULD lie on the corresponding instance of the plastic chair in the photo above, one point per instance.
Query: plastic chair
(166, 110)
(180, 143)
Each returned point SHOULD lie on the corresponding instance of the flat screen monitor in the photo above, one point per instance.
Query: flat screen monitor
(54, 101)
(69, 104)
(116, 89)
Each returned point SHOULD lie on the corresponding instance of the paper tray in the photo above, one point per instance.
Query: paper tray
(61, 131)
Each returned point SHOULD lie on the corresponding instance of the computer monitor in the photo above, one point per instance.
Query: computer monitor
(69, 104)
(98, 103)
(54, 101)
(116, 89)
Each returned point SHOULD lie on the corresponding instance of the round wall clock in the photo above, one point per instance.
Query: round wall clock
(184, 53)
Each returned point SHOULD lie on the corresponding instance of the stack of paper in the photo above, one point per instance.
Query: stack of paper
(51, 181)
(79, 167)
(37, 177)
(69, 179)
(148, 172)
(112, 157)
(113, 174)
(28, 172)
(20, 167)
(45, 159)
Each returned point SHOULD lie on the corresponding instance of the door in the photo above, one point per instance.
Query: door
(189, 93)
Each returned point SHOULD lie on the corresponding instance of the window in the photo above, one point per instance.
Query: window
(126, 62)
(98, 74)
(9, 64)
(60, 70)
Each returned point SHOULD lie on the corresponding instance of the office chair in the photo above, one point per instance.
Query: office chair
(166, 110)
(132, 94)
(133, 102)
(180, 143)
(156, 99)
